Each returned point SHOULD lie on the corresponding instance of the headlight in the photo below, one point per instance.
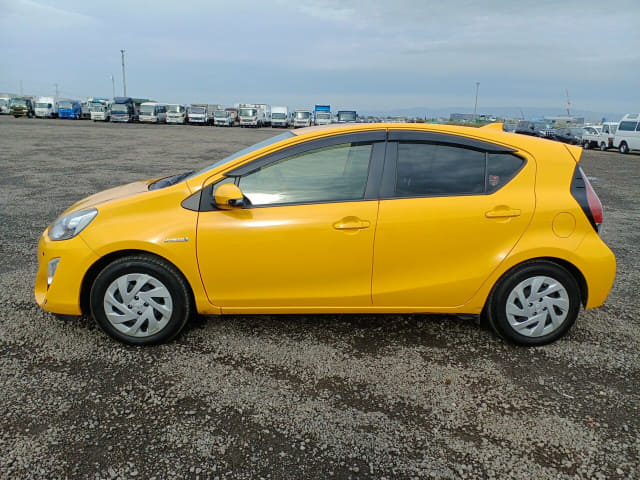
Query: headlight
(71, 224)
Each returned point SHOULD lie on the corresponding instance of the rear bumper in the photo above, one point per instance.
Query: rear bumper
(598, 265)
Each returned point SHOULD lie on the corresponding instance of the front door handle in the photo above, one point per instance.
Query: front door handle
(502, 212)
(351, 223)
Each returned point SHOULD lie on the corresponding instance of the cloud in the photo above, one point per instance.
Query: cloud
(27, 14)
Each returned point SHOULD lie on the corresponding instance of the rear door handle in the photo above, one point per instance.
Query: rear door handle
(502, 212)
(351, 223)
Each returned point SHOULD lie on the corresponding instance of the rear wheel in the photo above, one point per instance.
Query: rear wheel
(141, 300)
(534, 304)
(623, 148)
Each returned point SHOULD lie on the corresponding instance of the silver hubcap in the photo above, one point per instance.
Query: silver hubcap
(537, 306)
(138, 305)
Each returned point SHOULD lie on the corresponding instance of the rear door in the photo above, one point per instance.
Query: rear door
(451, 210)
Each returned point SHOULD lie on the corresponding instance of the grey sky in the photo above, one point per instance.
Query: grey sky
(371, 55)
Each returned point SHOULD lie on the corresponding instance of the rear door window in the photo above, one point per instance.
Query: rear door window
(428, 170)
(425, 169)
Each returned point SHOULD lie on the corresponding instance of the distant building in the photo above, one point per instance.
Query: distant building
(461, 117)
(565, 120)
(468, 117)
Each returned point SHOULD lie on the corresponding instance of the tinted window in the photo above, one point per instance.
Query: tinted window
(429, 169)
(627, 126)
(500, 169)
(328, 174)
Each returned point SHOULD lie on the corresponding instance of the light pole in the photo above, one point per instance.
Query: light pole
(113, 85)
(124, 82)
(475, 107)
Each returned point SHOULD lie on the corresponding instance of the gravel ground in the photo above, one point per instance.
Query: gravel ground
(247, 397)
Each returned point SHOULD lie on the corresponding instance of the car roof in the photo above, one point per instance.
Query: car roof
(491, 133)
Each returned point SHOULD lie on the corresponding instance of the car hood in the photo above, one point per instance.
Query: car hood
(106, 196)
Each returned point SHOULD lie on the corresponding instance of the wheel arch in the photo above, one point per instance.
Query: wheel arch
(101, 263)
(571, 268)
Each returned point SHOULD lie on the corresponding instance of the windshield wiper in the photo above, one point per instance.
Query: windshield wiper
(168, 181)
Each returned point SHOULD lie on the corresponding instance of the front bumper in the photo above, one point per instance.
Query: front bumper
(176, 120)
(63, 295)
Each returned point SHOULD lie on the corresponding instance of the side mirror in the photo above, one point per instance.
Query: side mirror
(229, 196)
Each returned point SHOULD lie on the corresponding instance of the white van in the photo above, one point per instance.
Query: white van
(46, 107)
(627, 136)
(153, 112)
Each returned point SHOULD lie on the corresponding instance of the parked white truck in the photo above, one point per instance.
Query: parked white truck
(46, 107)
(99, 109)
(280, 117)
(176, 113)
(599, 136)
(197, 113)
(223, 118)
(251, 115)
(302, 118)
(4, 104)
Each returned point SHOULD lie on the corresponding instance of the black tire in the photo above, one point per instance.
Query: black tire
(603, 147)
(496, 308)
(160, 271)
(586, 145)
(623, 148)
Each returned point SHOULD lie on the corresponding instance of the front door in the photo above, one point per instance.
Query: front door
(305, 237)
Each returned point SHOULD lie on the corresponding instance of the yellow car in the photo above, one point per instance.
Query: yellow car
(360, 218)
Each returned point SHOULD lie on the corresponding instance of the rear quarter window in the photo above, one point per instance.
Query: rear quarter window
(501, 168)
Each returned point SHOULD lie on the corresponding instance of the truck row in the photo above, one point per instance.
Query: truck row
(127, 109)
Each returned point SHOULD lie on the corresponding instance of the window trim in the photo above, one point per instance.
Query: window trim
(376, 138)
(389, 178)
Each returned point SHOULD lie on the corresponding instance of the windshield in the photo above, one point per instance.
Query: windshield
(120, 108)
(278, 116)
(248, 112)
(175, 109)
(575, 131)
(196, 109)
(96, 107)
(613, 128)
(66, 105)
(542, 126)
(348, 116)
(43, 105)
(220, 114)
(147, 109)
(303, 115)
(246, 151)
(3, 102)
(19, 102)
(323, 115)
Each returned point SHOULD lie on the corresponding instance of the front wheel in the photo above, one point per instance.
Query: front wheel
(141, 300)
(586, 144)
(534, 304)
(623, 148)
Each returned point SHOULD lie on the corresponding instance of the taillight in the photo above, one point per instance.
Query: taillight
(586, 197)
